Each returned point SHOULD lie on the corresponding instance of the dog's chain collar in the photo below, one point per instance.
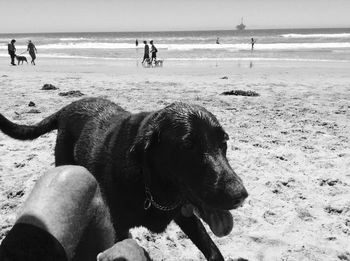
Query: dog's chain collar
(150, 202)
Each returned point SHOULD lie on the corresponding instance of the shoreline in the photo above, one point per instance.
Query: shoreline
(174, 60)
(134, 65)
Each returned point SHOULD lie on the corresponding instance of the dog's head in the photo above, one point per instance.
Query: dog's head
(186, 145)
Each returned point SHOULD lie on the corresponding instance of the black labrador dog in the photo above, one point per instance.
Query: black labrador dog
(21, 59)
(153, 167)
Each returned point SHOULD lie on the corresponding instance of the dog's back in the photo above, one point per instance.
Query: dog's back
(82, 126)
(21, 59)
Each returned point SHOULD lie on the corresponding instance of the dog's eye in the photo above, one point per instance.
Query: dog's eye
(226, 137)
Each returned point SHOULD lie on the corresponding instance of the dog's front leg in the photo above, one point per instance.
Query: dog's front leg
(195, 230)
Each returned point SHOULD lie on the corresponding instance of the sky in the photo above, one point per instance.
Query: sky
(31, 16)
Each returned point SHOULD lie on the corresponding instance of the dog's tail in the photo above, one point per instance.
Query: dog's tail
(27, 132)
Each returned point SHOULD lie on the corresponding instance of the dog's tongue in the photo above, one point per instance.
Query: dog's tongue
(219, 221)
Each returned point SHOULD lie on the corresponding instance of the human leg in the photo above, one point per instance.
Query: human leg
(12, 55)
(65, 203)
(145, 57)
(33, 56)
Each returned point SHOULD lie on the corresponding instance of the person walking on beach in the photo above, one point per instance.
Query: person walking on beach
(137, 43)
(32, 50)
(12, 51)
(153, 52)
(253, 42)
(217, 41)
(146, 54)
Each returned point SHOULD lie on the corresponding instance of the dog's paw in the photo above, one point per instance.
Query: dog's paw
(126, 250)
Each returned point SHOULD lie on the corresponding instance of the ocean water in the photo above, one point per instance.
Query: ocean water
(281, 44)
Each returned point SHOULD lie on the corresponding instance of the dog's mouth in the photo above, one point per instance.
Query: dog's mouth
(220, 221)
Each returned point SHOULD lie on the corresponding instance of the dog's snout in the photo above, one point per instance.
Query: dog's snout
(242, 195)
(236, 190)
(228, 192)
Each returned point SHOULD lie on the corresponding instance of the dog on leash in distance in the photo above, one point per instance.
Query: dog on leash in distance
(158, 63)
(20, 59)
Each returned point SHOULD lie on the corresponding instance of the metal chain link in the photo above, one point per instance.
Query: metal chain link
(149, 201)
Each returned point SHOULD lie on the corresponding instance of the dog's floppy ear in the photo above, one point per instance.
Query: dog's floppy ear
(147, 136)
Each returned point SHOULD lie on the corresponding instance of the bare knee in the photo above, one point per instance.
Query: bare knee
(75, 177)
(62, 203)
(72, 171)
(60, 188)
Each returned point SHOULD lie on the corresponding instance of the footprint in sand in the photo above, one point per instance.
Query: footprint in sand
(270, 217)
(340, 205)
(31, 156)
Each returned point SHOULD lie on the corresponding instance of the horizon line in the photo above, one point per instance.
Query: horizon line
(162, 31)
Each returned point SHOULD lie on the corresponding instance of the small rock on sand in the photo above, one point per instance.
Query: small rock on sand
(15, 194)
(71, 94)
(345, 256)
(240, 93)
(48, 86)
(19, 165)
(31, 104)
(224, 78)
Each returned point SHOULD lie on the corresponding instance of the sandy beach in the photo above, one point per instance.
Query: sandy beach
(290, 145)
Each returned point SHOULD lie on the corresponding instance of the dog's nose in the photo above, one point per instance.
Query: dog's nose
(242, 196)
(234, 196)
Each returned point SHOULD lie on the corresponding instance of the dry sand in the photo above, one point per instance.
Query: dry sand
(290, 145)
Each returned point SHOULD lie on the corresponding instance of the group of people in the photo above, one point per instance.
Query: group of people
(148, 52)
(30, 48)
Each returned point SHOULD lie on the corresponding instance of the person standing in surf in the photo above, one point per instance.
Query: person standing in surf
(252, 43)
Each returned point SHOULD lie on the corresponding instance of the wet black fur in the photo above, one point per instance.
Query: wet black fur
(181, 149)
